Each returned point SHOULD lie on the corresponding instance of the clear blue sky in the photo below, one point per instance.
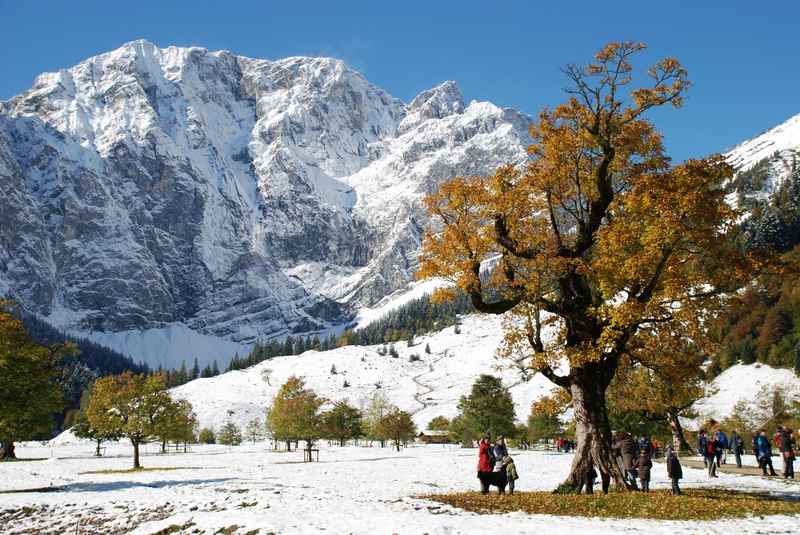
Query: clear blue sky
(743, 57)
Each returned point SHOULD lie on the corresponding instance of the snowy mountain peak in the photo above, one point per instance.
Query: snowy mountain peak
(440, 101)
(783, 137)
(154, 190)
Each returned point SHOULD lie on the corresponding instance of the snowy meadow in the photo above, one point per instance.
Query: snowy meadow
(251, 489)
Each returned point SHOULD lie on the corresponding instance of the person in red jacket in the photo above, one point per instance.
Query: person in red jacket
(485, 465)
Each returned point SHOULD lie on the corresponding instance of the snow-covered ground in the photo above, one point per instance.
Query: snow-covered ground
(351, 490)
(428, 387)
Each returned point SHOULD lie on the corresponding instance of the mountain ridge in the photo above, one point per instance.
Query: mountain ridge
(242, 198)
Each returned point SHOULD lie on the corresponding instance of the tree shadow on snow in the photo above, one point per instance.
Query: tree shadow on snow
(123, 485)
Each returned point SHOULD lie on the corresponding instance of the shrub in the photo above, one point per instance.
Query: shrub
(207, 436)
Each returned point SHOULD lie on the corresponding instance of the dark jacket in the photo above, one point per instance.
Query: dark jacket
(674, 470)
(787, 442)
(702, 445)
(736, 444)
(629, 450)
(499, 451)
(643, 466)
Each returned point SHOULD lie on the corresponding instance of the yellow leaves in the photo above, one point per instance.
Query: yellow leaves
(693, 504)
(554, 404)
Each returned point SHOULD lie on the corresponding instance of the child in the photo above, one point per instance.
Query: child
(643, 466)
(674, 470)
(511, 472)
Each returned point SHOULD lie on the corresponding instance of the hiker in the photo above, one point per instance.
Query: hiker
(500, 452)
(674, 470)
(645, 445)
(485, 464)
(702, 446)
(736, 445)
(723, 440)
(511, 472)
(643, 466)
(763, 452)
(787, 452)
(713, 454)
(628, 449)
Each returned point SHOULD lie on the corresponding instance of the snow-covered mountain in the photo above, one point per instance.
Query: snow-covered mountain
(776, 153)
(428, 387)
(210, 194)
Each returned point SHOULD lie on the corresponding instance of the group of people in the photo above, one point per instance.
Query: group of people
(714, 446)
(636, 459)
(495, 466)
(784, 441)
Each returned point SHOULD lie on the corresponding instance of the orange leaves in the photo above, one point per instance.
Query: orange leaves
(600, 231)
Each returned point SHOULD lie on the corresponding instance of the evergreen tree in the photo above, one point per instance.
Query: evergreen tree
(214, 369)
(195, 370)
(488, 408)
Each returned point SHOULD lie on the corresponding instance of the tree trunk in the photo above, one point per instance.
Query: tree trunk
(678, 438)
(163, 446)
(288, 445)
(97, 448)
(8, 450)
(592, 433)
(136, 454)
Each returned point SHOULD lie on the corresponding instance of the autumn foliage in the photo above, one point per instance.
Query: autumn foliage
(599, 239)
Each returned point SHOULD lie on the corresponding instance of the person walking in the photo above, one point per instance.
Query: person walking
(702, 446)
(787, 451)
(723, 441)
(764, 453)
(737, 447)
(629, 451)
(643, 467)
(712, 457)
(674, 470)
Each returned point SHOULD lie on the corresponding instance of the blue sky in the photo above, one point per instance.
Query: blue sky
(742, 57)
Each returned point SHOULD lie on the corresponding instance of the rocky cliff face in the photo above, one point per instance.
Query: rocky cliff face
(240, 197)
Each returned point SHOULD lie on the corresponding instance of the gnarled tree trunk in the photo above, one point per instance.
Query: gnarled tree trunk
(592, 431)
(678, 438)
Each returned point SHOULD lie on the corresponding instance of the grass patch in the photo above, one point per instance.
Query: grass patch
(693, 504)
(24, 460)
(137, 470)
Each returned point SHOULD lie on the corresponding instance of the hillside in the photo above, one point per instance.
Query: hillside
(429, 387)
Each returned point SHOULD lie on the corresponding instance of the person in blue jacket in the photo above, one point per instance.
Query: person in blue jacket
(723, 440)
(764, 453)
